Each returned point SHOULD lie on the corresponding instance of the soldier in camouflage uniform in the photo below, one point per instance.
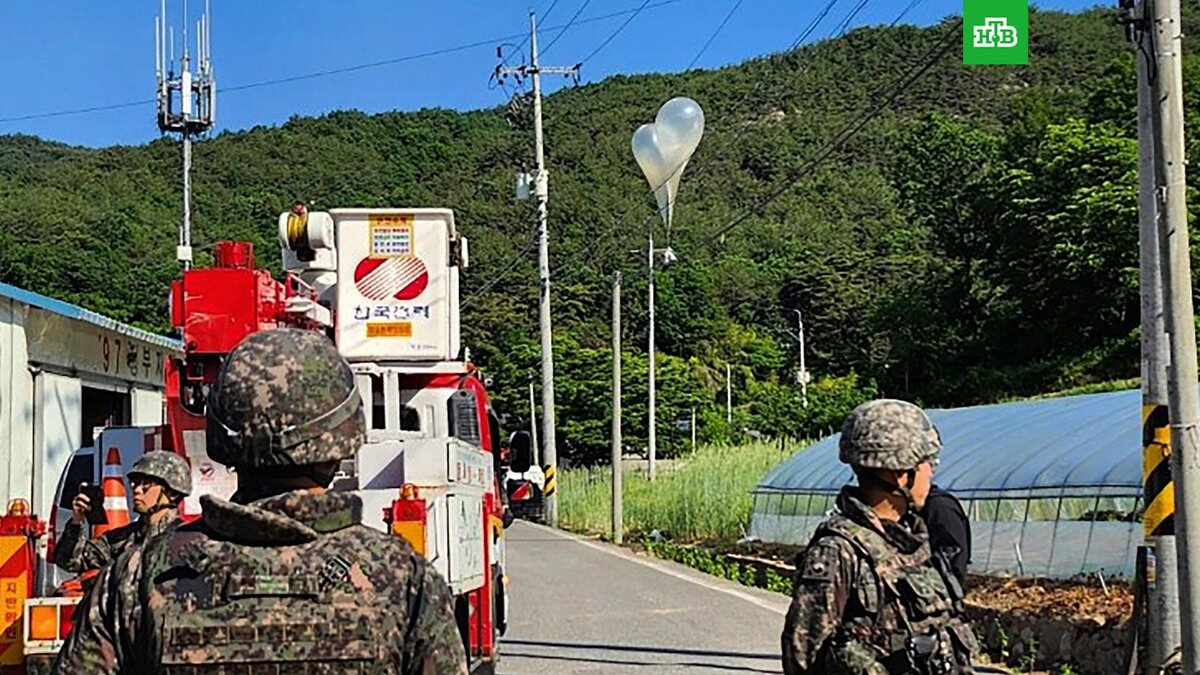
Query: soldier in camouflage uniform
(284, 577)
(867, 598)
(159, 480)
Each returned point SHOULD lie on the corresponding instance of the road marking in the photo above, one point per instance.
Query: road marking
(693, 577)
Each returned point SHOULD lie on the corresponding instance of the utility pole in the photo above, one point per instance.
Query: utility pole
(1166, 88)
(196, 97)
(541, 181)
(803, 369)
(1158, 491)
(618, 526)
(729, 395)
(652, 422)
(533, 432)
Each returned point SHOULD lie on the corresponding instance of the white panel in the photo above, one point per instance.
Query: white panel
(56, 431)
(208, 477)
(147, 407)
(16, 405)
(396, 293)
(466, 542)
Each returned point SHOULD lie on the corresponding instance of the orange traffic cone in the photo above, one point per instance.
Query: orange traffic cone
(116, 503)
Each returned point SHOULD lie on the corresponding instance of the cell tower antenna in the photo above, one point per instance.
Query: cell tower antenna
(187, 101)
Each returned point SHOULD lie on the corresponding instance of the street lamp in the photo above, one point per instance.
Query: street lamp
(662, 150)
(668, 258)
(803, 376)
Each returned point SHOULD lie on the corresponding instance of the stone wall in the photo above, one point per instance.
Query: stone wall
(1089, 646)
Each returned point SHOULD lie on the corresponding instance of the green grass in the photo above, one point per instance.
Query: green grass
(705, 497)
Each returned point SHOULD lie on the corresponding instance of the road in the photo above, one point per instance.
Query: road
(580, 606)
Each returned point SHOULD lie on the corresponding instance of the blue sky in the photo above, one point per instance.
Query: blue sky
(61, 55)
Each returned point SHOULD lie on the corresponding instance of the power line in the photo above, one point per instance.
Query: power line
(569, 24)
(898, 87)
(812, 25)
(588, 251)
(499, 276)
(547, 12)
(908, 9)
(837, 32)
(346, 69)
(714, 35)
(77, 111)
(616, 32)
(850, 17)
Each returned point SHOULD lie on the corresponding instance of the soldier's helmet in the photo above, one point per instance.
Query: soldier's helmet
(284, 397)
(888, 434)
(167, 468)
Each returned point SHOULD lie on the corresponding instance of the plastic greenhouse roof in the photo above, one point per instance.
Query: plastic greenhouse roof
(1063, 447)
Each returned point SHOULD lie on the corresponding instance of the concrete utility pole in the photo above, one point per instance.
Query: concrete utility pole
(803, 369)
(541, 181)
(729, 393)
(533, 432)
(618, 526)
(652, 422)
(1158, 492)
(693, 429)
(1170, 173)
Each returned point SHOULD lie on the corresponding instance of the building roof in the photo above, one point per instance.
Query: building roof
(1062, 447)
(76, 312)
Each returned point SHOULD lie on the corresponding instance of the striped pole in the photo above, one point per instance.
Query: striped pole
(1159, 518)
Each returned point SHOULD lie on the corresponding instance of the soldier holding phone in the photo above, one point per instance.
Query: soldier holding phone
(159, 480)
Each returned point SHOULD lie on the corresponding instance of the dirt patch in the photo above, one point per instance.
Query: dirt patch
(1066, 600)
(1030, 624)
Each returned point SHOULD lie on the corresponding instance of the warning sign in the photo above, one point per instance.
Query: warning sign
(14, 589)
(395, 329)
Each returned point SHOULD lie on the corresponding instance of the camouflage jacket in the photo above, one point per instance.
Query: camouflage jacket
(76, 552)
(867, 601)
(286, 579)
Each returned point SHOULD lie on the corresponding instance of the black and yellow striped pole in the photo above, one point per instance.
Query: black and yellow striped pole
(1159, 492)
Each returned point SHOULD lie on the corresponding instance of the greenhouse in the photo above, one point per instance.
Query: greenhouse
(1052, 487)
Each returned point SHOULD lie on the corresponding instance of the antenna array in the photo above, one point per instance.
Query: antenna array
(187, 103)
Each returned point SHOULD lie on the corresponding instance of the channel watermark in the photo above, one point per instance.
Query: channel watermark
(995, 32)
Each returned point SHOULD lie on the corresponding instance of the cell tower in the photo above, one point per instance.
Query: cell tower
(187, 102)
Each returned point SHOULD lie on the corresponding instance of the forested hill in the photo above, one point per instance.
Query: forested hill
(976, 240)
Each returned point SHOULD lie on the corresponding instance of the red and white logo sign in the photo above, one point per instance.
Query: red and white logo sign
(402, 278)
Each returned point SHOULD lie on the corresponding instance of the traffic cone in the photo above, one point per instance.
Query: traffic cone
(116, 501)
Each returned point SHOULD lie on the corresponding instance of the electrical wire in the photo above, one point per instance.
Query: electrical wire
(714, 35)
(897, 88)
(615, 33)
(342, 70)
(812, 25)
(570, 23)
(908, 9)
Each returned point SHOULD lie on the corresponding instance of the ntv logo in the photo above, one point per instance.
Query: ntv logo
(995, 32)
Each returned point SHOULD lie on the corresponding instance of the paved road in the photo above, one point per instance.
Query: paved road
(581, 606)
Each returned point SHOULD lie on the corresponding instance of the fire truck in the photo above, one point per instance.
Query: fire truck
(383, 285)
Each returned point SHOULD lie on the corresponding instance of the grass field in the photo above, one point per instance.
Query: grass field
(704, 497)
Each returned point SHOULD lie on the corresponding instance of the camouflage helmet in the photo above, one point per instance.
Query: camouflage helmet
(284, 397)
(888, 434)
(166, 467)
